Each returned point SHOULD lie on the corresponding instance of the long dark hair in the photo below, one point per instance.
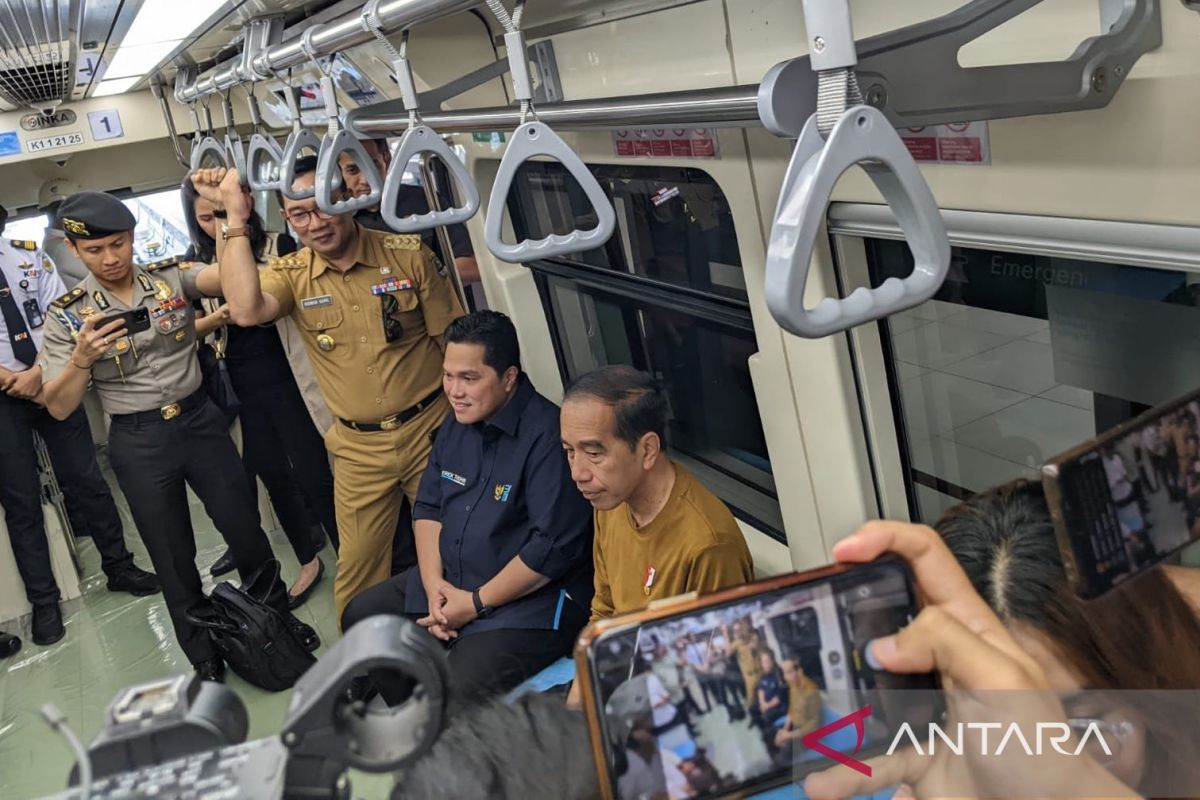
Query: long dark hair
(1139, 636)
(204, 247)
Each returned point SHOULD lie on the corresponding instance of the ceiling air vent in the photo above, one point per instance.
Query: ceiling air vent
(35, 52)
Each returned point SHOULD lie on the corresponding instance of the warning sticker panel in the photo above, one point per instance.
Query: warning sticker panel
(955, 143)
(666, 143)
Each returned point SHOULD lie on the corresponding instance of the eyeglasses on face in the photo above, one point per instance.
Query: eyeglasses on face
(300, 218)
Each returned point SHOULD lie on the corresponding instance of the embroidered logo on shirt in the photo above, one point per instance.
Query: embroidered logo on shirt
(447, 475)
(503, 490)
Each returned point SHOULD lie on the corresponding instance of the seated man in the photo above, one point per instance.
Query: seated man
(803, 704)
(659, 531)
(503, 575)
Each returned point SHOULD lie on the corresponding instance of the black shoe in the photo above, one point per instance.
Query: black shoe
(47, 624)
(223, 564)
(305, 633)
(297, 600)
(9, 645)
(136, 581)
(211, 669)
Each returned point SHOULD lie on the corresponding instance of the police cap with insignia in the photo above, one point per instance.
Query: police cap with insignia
(94, 215)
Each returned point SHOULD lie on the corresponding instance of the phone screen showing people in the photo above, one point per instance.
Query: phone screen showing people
(1130, 499)
(730, 697)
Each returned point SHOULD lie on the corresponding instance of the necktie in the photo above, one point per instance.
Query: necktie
(14, 321)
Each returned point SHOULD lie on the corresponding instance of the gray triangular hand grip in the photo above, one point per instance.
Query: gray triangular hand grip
(422, 139)
(209, 148)
(329, 175)
(862, 136)
(299, 141)
(536, 139)
(263, 150)
(237, 155)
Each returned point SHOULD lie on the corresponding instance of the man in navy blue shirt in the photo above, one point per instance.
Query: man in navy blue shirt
(504, 539)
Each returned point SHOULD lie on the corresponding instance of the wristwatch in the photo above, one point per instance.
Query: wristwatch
(228, 232)
(481, 610)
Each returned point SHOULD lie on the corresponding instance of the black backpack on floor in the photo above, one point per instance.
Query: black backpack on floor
(251, 635)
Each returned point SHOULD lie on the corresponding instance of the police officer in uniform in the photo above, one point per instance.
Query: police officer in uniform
(372, 308)
(28, 283)
(165, 432)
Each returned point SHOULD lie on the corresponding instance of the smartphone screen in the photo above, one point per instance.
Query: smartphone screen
(1129, 499)
(718, 699)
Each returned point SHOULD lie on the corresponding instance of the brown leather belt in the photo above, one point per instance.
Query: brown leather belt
(395, 420)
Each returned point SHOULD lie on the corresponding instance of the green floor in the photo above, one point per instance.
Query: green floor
(113, 641)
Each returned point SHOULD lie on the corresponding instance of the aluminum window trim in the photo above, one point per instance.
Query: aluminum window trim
(1140, 244)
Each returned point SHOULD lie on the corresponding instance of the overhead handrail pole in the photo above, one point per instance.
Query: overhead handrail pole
(842, 133)
(418, 139)
(332, 37)
(159, 92)
(338, 140)
(531, 139)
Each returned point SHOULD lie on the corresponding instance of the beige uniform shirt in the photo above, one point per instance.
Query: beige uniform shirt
(367, 370)
(144, 371)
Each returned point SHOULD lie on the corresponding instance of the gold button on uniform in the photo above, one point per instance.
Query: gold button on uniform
(370, 370)
(325, 342)
(356, 308)
(363, 340)
(378, 401)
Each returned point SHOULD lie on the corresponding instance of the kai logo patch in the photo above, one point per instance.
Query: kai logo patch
(503, 490)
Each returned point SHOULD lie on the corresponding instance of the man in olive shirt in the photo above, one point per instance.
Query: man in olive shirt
(371, 308)
(659, 531)
(165, 432)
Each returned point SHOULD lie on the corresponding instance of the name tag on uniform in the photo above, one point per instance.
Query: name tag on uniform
(447, 475)
(391, 285)
(317, 302)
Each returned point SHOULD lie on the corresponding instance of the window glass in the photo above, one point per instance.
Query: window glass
(1020, 357)
(30, 229)
(714, 426)
(161, 229)
(674, 224)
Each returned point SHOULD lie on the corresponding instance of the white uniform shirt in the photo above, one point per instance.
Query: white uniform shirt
(31, 275)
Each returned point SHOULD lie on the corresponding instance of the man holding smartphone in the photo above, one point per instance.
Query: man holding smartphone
(29, 283)
(659, 531)
(166, 434)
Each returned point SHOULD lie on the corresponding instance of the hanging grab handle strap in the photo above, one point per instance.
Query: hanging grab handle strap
(300, 139)
(532, 139)
(857, 134)
(263, 154)
(329, 183)
(235, 149)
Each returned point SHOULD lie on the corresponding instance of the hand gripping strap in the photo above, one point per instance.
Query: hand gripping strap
(329, 175)
(862, 135)
(536, 139)
(422, 139)
(300, 139)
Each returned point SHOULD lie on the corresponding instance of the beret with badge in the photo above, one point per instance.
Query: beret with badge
(94, 215)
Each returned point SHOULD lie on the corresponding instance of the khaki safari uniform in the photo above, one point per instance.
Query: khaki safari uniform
(371, 336)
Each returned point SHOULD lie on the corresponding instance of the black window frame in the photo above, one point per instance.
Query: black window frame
(718, 310)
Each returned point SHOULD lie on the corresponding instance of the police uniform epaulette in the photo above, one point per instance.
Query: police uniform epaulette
(402, 241)
(23, 244)
(68, 298)
(290, 261)
(157, 265)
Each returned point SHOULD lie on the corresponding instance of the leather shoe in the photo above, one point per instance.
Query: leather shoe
(305, 633)
(224, 564)
(297, 600)
(136, 581)
(9, 645)
(211, 669)
(47, 624)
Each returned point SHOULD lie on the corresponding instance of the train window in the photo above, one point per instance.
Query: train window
(665, 296)
(674, 224)
(1021, 356)
(161, 229)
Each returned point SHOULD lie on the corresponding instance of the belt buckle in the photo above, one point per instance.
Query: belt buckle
(170, 412)
(390, 424)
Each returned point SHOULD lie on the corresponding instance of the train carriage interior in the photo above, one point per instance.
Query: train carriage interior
(1049, 162)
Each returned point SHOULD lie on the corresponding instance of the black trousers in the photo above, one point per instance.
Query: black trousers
(154, 459)
(88, 499)
(481, 664)
(281, 445)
